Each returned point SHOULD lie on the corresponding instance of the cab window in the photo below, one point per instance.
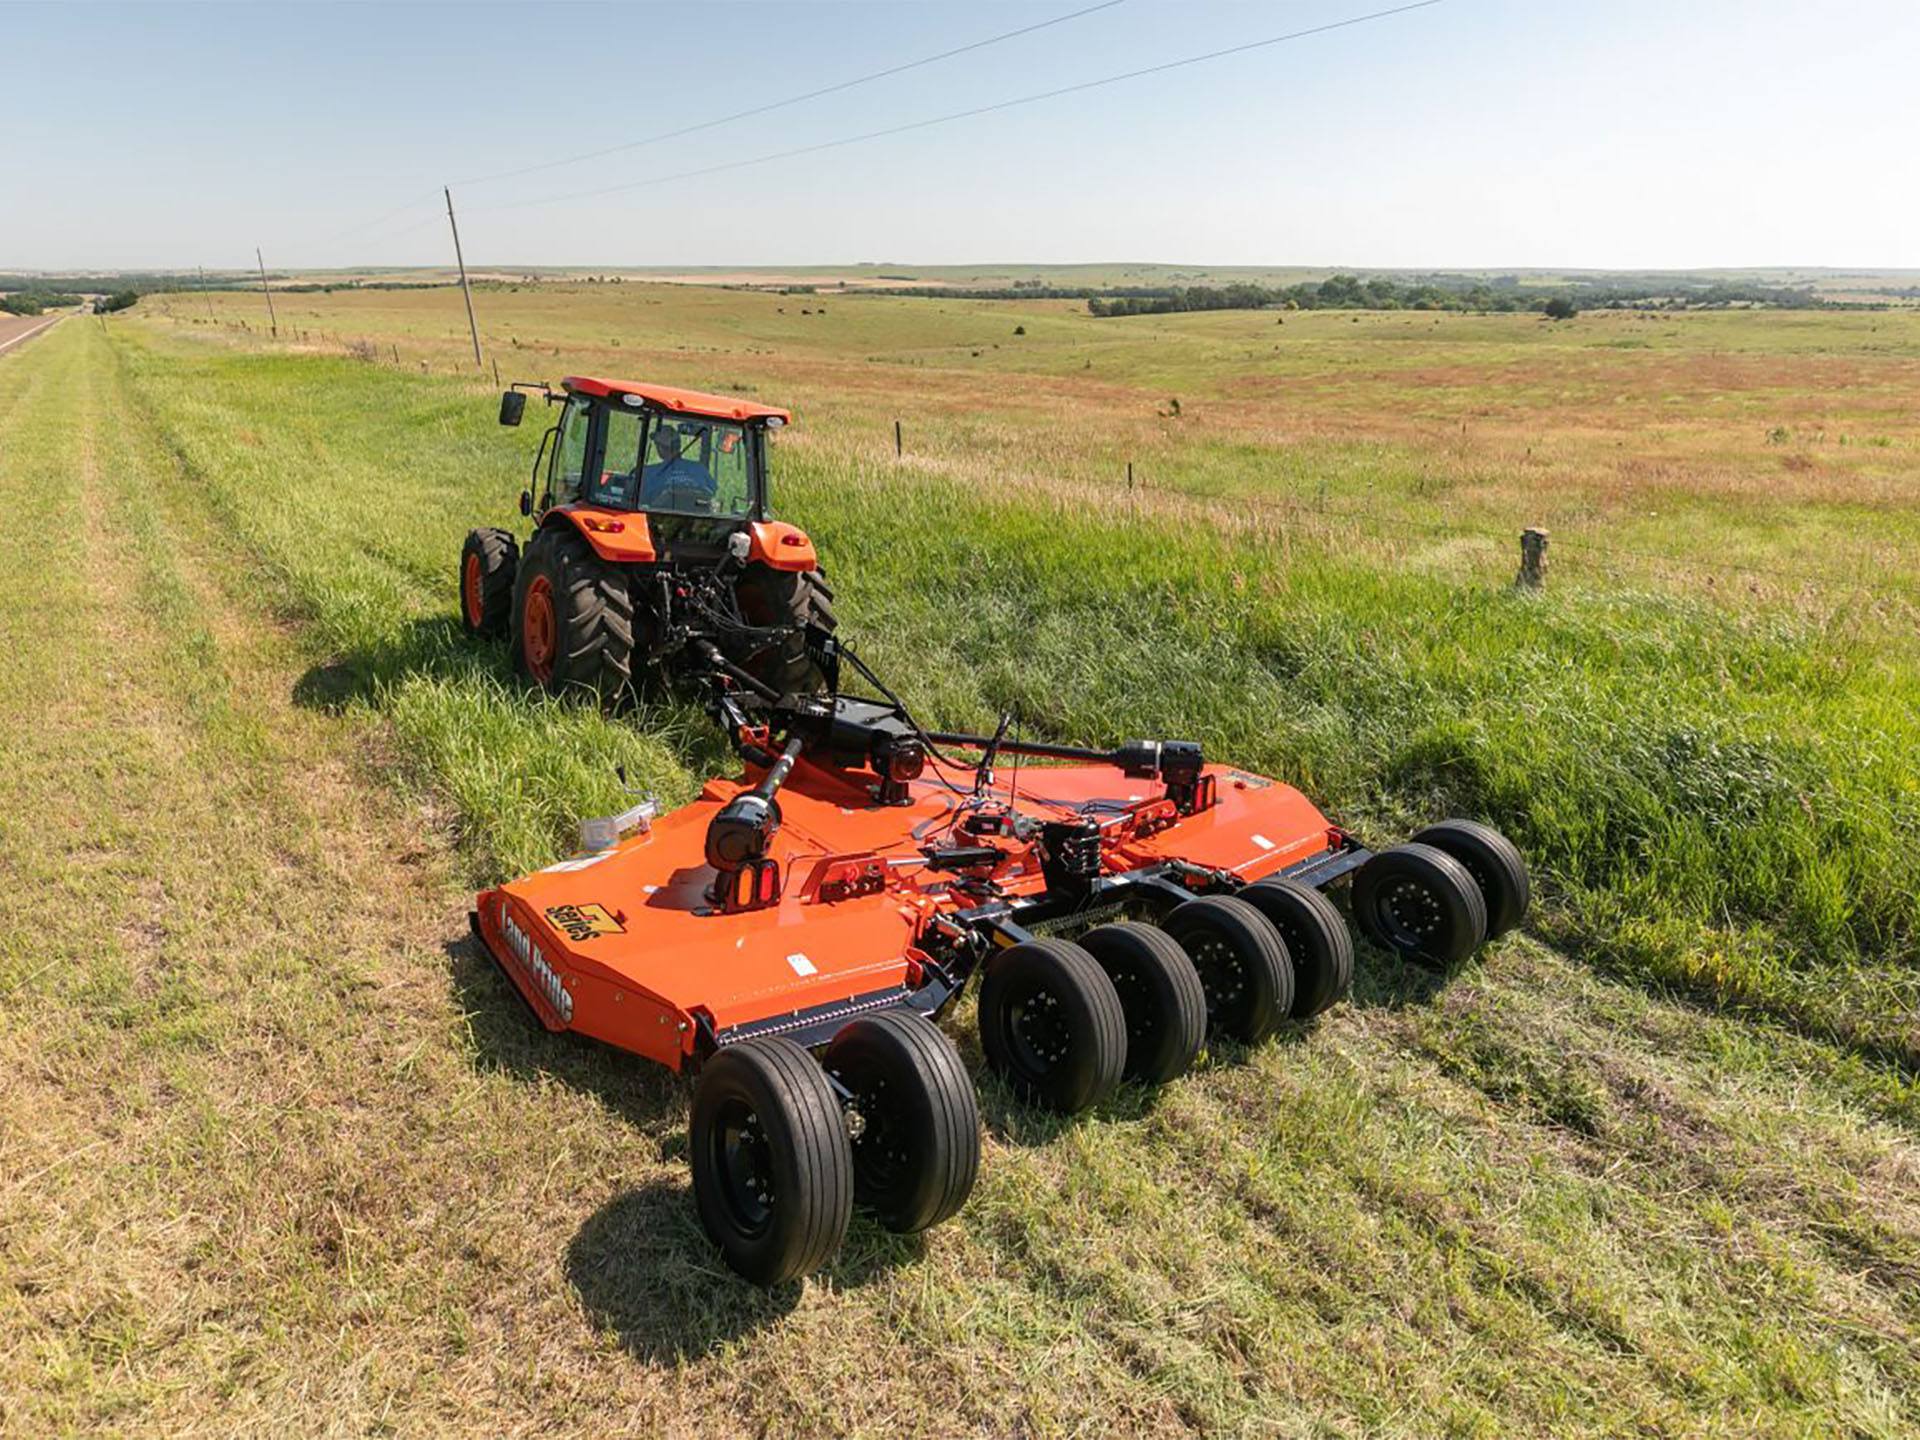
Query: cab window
(697, 467)
(618, 481)
(570, 451)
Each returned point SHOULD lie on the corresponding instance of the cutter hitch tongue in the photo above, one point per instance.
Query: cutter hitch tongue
(739, 836)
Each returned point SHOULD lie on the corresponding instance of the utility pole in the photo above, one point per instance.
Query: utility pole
(271, 320)
(465, 289)
(204, 295)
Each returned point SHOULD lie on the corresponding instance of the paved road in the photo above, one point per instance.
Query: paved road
(17, 329)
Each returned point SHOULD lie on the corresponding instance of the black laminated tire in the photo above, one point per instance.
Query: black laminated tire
(916, 1146)
(1243, 965)
(1317, 940)
(1160, 996)
(1420, 902)
(1051, 1024)
(772, 1168)
(488, 562)
(1495, 864)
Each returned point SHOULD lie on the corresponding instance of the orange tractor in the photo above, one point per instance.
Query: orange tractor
(651, 547)
(794, 934)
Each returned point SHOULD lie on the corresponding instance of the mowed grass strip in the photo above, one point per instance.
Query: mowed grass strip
(284, 1154)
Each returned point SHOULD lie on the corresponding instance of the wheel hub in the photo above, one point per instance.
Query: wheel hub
(538, 629)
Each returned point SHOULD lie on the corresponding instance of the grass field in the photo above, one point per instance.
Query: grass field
(281, 1153)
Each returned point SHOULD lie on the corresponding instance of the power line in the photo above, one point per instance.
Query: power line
(434, 199)
(967, 114)
(791, 99)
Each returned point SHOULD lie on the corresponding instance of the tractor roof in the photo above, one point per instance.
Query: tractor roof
(690, 402)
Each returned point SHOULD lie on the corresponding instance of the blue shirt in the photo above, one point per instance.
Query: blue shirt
(678, 484)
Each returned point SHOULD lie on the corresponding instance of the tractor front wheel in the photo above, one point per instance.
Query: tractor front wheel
(772, 1171)
(487, 564)
(1051, 1023)
(572, 618)
(915, 1122)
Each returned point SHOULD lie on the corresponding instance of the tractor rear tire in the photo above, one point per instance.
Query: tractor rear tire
(917, 1147)
(787, 597)
(1243, 964)
(572, 618)
(1052, 1026)
(487, 564)
(1422, 903)
(1160, 995)
(772, 1168)
(1496, 867)
(1317, 939)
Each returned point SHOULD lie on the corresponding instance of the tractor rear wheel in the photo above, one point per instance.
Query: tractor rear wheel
(1051, 1024)
(1317, 939)
(1420, 902)
(787, 597)
(572, 618)
(1243, 964)
(487, 564)
(916, 1142)
(1495, 864)
(772, 1170)
(1160, 995)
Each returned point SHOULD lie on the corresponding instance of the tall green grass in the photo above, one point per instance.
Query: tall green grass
(1720, 800)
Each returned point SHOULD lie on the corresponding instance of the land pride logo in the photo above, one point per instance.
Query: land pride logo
(534, 963)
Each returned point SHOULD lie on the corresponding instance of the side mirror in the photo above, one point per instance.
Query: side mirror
(526, 502)
(513, 405)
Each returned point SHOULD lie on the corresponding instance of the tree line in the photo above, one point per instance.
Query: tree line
(1379, 292)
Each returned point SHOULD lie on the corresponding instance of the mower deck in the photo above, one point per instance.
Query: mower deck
(628, 945)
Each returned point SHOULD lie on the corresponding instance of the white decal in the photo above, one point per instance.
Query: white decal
(538, 970)
(801, 965)
(1263, 842)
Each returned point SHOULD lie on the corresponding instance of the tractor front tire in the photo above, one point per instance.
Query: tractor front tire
(916, 1146)
(572, 618)
(488, 562)
(1160, 994)
(772, 1169)
(787, 597)
(1052, 1025)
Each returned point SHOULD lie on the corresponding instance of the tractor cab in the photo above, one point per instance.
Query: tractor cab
(694, 463)
(651, 546)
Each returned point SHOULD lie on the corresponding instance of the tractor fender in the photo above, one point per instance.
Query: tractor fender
(620, 536)
(780, 546)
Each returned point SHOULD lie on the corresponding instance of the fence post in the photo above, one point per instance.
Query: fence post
(1533, 559)
(1129, 476)
(496, 369)
(899, 444)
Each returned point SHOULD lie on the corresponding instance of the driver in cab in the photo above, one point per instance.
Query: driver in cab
(673, 482)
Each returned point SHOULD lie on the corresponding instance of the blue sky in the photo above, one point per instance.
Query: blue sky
(1470, 133)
